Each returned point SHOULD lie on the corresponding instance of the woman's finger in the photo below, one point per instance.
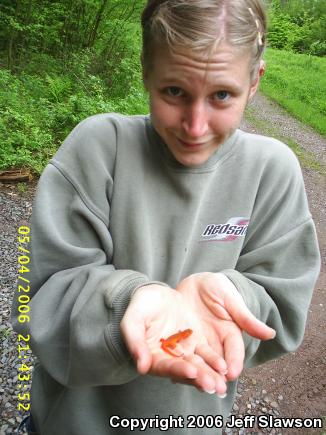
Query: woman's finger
(172, 367)
(207, 379)
(190, 370)
(234, 354)
(231, 301)
(212, 358)
(247, 321)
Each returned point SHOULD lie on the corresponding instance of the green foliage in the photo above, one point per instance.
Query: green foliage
(19, 134)
(298, 25)
(61, 62)
(38, 112)
(64, 60)
(6, 332)
(22, 187)
(286, 34)
(60, 27)
(297, 82)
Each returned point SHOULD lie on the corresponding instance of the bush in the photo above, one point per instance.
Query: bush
(285, 34)
(64, 68)
(20, 133)
(298, 26)
(318, 48)
(39, 111)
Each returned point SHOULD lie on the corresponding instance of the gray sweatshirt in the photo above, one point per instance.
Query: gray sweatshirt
(114, 210)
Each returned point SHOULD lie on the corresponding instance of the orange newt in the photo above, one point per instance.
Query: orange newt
(172, 341)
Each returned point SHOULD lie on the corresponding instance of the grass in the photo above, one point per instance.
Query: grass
(298, 83)
(307, 159)
(22, 187)
(6, 332)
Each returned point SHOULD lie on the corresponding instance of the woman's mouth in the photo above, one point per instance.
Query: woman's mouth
(191, 144)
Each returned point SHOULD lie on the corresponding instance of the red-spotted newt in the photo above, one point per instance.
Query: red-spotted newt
(171, 342)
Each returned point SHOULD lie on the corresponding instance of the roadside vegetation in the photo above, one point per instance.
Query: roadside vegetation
(62, 61)
(298, 83)
(307, 159)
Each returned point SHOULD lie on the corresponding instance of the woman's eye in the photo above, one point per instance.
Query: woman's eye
(174, 91)
(222, 95)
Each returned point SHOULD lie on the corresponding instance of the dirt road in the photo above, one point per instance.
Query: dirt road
(294, 385)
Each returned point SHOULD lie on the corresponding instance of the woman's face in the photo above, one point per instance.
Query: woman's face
(196, 105)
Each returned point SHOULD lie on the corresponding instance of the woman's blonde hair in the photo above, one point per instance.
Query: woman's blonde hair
(200, 25)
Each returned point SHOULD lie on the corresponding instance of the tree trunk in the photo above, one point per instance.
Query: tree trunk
(65, 27)
(25, 42)
(98, 18)
(110, 45)
(15, 175)
(10, 53)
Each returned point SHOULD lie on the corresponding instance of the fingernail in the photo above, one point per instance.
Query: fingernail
(222, 396)
(224, 372)
(210, 391)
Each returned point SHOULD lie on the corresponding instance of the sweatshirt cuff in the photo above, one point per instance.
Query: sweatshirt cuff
(117, 301)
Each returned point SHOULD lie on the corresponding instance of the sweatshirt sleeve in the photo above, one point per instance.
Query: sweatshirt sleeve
(77, 296)
(280, 261)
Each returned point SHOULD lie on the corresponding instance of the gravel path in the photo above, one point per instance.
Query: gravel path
(15, 211)
(270, 112)
(253, 397)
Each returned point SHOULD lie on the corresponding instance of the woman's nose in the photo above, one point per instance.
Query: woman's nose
(195, 120)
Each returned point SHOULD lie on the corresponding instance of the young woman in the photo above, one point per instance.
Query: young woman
(158, 240)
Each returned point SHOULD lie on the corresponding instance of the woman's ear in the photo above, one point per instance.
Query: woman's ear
(262, 68)
(255, 83)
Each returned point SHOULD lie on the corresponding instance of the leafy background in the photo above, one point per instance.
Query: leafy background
(63, 60)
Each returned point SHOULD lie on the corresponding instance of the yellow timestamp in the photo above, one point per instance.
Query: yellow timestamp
(24, 374)
(23, 270)
(23, 348)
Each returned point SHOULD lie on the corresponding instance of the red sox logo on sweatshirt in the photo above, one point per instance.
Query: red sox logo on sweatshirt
(235, 227)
